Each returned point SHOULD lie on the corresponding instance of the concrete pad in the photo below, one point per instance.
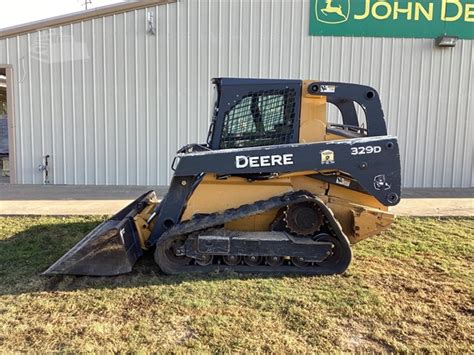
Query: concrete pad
(107, 200)
(69, 199)
(60, 208)
(9, 192)
(435, 207)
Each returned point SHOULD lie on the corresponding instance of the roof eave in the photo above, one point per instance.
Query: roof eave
(79, 17)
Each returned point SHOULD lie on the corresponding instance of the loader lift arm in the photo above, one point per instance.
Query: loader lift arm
(364, 168)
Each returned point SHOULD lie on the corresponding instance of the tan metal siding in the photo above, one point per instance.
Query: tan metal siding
(111, 103)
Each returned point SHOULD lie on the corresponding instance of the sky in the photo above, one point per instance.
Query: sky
(17, 12)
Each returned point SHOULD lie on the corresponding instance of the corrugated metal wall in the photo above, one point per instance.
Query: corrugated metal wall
(111, 103)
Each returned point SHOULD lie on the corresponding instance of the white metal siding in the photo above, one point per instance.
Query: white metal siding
(111, 103)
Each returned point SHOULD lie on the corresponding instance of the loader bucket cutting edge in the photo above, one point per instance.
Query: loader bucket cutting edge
(112, 248)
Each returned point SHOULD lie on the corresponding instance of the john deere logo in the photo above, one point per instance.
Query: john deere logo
(392, 18)
(333, 11)
(327, 157)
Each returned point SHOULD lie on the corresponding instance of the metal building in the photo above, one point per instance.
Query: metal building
(110, 94)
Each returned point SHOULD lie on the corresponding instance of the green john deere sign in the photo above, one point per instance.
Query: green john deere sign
(391, 18)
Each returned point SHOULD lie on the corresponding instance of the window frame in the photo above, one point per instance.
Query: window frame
(232, 91)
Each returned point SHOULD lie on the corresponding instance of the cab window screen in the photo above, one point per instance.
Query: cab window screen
(260, 118)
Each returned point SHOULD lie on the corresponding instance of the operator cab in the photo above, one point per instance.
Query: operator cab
(264, 112)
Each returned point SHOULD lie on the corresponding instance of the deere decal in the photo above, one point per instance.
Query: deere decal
(391, 18)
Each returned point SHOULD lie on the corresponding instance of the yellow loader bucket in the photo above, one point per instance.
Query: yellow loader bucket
(112, 248)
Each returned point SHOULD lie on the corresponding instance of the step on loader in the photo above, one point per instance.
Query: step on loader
(275, 189)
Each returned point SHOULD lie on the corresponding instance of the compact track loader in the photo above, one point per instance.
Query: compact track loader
(276, 188)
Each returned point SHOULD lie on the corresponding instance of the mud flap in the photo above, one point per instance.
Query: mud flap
(112, 248)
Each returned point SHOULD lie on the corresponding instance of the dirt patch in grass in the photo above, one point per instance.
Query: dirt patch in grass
(409, 289)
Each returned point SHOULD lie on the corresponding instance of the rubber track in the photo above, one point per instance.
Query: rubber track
(231, 214)
(203, 222)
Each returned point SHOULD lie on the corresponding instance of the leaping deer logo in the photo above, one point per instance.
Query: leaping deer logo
(330, 8)
(332, 12)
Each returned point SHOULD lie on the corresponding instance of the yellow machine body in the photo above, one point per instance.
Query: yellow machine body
(359, 214)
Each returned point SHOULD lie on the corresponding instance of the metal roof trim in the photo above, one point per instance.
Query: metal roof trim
(79, 17)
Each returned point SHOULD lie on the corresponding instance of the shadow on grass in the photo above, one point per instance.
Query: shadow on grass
(25, 255)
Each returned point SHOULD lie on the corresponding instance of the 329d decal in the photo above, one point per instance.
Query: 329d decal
(369, 149)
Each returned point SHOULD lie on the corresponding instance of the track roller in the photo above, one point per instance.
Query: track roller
(274, 261)
(299, 262)
(253, 260)
(205, 260)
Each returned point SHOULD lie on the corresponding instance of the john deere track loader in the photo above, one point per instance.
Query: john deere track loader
(276, 188)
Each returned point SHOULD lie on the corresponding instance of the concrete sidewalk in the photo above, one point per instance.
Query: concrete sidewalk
(106, 200)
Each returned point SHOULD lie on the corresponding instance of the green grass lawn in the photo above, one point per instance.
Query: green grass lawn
(409, 289)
